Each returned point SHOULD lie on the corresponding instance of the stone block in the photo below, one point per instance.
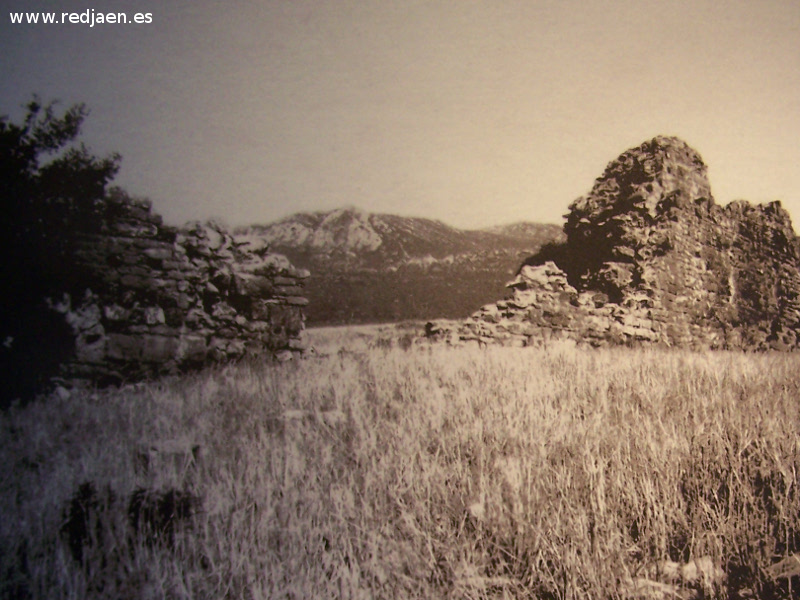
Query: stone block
(298, 344)
(185, 301)
(159, 348)
(297, 273)
(114, 312)
(288, 317)
(154, 315)
(162, 284)
(259, 310)
(288, 290)
(90, 345)
(197, 317)
(142, 347)
(158, 253)
(144, 243)
(269, 265)
(84, 317)
(124, 347)
(223, 311)
(283, 280)
(246, 284)
(175, 268)
(235, 348)
(134, 229)
(191, 348)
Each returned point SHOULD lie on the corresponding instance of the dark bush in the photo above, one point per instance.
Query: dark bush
(53, 190)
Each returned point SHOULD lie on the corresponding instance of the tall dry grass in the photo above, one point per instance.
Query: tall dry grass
(423, 473)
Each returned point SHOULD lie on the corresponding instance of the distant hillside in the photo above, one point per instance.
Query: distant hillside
(376, 268)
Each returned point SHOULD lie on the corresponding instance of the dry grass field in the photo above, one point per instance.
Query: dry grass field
(399, 470)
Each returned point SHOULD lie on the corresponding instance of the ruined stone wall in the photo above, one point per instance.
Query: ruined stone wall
(650, 257)
(159, 299)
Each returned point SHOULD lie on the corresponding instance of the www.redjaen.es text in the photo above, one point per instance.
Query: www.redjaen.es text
(89, 17)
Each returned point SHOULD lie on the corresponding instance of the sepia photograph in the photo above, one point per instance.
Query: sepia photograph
(434, 299)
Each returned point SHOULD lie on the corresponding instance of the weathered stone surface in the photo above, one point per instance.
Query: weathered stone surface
(121, 347)
(296, 300)
(247, 284)
(157, 253)
(650, 258)
(135, 229)
(161, 299)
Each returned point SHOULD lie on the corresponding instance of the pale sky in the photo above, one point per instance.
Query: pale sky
(473, 112)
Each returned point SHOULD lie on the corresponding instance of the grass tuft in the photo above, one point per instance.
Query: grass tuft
(413, 471)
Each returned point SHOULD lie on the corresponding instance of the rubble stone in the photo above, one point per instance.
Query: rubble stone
(650, 258)
(159, 300)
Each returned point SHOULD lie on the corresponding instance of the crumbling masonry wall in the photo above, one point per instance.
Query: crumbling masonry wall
(161, 299)
(650, 258)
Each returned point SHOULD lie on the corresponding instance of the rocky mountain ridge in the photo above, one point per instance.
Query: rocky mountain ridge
(649, 257)
(378, 267)
(384, 238)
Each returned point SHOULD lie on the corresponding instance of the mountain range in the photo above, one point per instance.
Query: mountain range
(369, 268)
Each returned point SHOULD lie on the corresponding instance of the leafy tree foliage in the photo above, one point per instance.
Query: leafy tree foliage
(53, 190)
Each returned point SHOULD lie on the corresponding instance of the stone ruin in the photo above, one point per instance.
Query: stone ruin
(162, 299)
(650, 258)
